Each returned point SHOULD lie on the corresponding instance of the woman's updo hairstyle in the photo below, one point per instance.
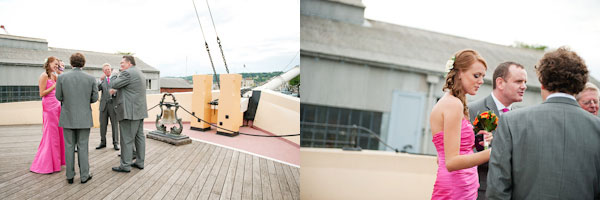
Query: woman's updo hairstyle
(463, 59)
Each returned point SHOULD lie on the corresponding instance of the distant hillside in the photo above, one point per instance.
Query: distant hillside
(258, 78)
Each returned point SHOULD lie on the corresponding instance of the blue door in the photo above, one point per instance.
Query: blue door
(405, 125)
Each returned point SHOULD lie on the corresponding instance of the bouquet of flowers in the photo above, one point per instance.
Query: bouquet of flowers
(487, 121)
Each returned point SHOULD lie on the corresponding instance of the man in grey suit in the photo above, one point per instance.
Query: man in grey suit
(550, 150)
(107, 108)
(131, 111)
(509, 84)
(76, 90)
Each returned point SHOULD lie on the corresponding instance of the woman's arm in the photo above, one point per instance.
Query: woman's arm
(452, 117)
(42, 85)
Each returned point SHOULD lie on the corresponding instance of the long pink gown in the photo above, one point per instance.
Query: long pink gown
(459, 184)
(50, 155)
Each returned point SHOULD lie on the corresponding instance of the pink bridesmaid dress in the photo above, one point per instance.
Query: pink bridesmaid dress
(459, 184)
(50, 155)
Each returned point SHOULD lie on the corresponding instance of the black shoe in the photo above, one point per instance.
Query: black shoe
(101, 146)
(119, 169)
(70, 181)
(86, 180)
(117, 147)
(137, 166)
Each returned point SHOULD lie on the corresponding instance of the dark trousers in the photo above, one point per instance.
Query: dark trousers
(79, 138)
(109, 112)
(132, 136)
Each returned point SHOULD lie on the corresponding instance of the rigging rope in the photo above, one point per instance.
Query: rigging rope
(206, 45)
(218, 40)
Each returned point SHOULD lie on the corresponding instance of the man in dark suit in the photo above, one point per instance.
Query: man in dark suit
(131, 111)
(76, 90)
(550, 150)
(509, 84)
(107, 108)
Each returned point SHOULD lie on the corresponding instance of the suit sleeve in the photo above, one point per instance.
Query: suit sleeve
(499, 181)
(58, 93)
(121, 81)
(99, 83)
(94, 92)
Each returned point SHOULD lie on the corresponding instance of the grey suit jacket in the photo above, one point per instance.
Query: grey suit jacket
(475, 108)
(131, 94)
(76, 90)
(106, 97)
(546, 151)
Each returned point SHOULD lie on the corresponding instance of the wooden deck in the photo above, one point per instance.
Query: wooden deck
(193, 171)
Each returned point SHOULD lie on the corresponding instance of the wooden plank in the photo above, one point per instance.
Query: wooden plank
(212, 176)
(189, 183)
(229, 180)
(147, 190)
(256, 182)
(195, 171)
(264, 175)
(217, 188)
(129, 187)
(115, 179)
(198, 155)
(247, 186)
(104, 175)
(296, 173)
(55, 184)
(276, 190)
(197, 186)
(238, 183)
(30, 179)
(294, 189)
(285, 189)
(164, 189)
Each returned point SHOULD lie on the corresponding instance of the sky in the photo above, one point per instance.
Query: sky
(262, 35)
(573, 23)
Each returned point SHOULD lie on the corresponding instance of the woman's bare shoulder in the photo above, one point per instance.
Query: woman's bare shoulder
(450, 101)
(43, 76)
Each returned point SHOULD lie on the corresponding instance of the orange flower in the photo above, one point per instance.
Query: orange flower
(484, 115)
(476, 121)
(496, 121)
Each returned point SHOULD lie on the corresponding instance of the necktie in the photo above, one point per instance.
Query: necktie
(504, 110)
(108, 80)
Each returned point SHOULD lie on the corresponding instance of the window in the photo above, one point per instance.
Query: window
(334, 127)
(148, 84)
(19, 93)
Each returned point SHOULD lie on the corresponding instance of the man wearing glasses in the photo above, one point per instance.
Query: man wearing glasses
(588, 98)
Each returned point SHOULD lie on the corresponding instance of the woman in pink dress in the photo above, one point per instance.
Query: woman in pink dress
(453, 135)
(50, 155)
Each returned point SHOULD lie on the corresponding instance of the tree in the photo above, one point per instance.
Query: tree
(295, 81)
(530, 46)
(125, 53)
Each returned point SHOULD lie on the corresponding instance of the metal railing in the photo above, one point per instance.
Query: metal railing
(354, 134)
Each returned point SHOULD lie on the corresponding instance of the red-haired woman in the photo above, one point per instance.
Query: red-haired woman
(51, 152)
(453, 134)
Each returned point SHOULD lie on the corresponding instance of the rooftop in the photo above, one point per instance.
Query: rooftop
(174, 83)
(18, 50)
(198, 170)
(396, 46)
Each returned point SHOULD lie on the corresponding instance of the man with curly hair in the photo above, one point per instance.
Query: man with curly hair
(550, 150)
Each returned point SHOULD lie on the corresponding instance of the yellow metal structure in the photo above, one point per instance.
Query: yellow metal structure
(201, 97)
(229, 115)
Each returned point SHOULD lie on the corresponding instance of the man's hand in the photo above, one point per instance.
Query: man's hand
(112, 91)
(487, 136)
(102, 77)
